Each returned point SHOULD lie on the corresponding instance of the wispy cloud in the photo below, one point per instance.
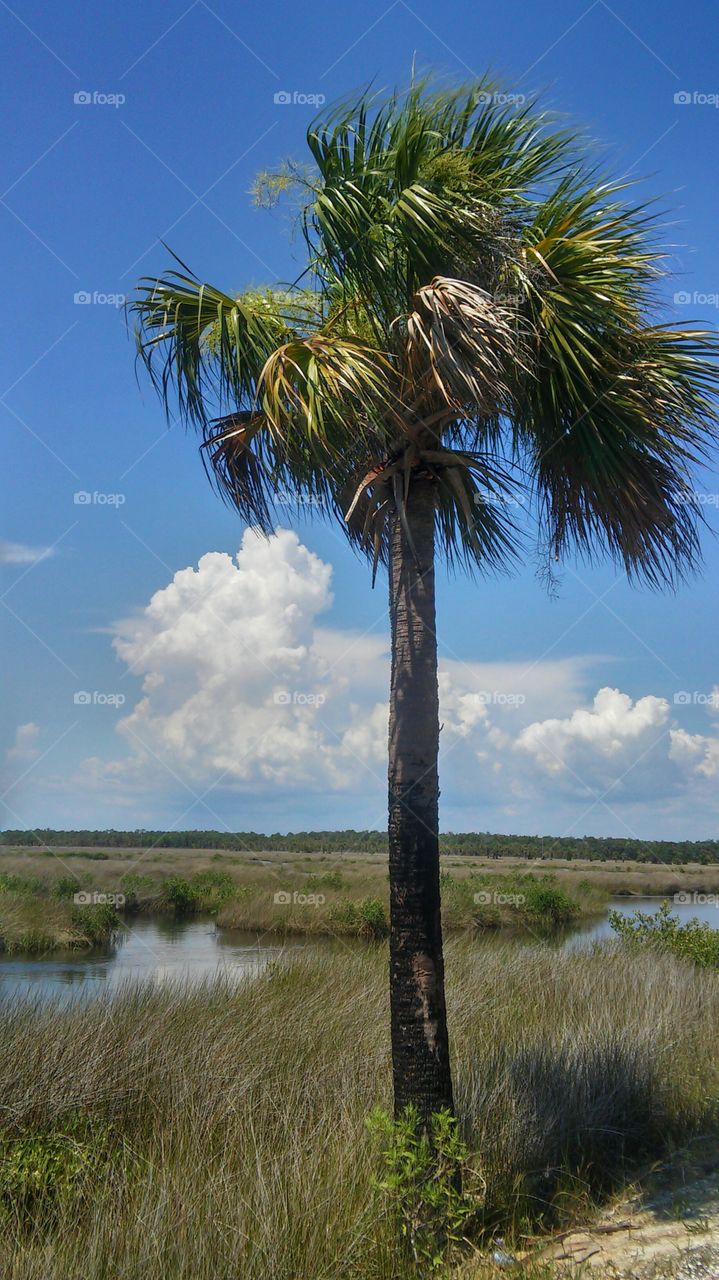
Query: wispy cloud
(20, 553)
(25, 747)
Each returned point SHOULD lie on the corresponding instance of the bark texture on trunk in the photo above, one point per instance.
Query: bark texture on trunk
(420, 1047)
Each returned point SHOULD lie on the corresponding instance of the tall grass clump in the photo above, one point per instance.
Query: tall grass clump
(226, 1122)
(31, 926)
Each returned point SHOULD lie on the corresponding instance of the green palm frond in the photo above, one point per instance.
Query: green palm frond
(619, 477)
(617, 410)
(313, 385)
(485, 309)
(208, 343)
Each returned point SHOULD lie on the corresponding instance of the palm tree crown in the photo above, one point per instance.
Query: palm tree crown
(479, 307)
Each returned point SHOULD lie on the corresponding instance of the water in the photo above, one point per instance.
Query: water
(163, 948)
(158, 948)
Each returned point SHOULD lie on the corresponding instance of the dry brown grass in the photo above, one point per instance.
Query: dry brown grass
(643, 879)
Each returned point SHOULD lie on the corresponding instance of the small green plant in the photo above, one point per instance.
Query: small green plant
(429, 1185)
(698, 1226)
(548, 904)
(373, 918)
(37, 1171)
(366, 918)
(135, 887)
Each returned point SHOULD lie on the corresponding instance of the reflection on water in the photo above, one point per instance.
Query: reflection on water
(159, 948)
(163, 948)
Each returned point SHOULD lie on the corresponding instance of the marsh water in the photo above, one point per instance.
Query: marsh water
(162, 948)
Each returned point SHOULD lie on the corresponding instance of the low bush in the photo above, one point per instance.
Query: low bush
(694, 940)
(366, 918)
(430, 1185)
(212, 889)
(177, 894)
(66, 887)
(94, 924)
(548, 904)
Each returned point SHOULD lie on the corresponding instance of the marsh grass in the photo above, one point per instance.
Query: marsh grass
(33, 924)
(238, 1112)
(298, 894)
(611, 875)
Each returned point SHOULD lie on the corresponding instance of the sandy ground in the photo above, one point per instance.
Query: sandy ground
(666, 1230)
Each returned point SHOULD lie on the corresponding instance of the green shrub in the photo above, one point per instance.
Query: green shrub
(212, 889)
(548, 905)
(136, 887)
(205, 891)
(366, 918)
(692, 941)
(373, 918)
(94, 923)
(178, 895)
(66, 887)
(428, 1183)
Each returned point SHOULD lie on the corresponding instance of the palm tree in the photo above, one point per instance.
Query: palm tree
(479, 312)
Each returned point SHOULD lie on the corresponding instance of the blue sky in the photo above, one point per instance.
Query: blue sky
(90, 189)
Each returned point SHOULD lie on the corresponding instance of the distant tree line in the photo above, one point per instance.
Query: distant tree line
(481, 843)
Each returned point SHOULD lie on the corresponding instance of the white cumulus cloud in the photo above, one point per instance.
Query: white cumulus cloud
(234, 682)
(695, 752)
(597, 743)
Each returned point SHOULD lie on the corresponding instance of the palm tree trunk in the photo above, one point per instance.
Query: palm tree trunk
(420, 1047)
